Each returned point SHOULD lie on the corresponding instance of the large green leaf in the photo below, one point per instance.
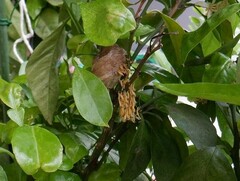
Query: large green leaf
(57, 176)
(17, 115)
(195, 123)
(209, 164)
(228, 93)
(109, 171)
(104, 21)
(3, 176)
(42, 73)
(91, 97)
(191, 40)
(166, 156)
(36, 148)
(140, 153)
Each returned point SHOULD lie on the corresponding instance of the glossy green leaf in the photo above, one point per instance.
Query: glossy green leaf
(42, 73)
(109, 171)
(10, 94)
(91, 97)
(192, 39)
(220, 70)
(17, 115)
(228, 93)
(166, 156)
(45, 25)
(55, 2)
(176, 35)
(210, 44)
(209, 164)
(140, 153)
(73, 149)
(35, 7)
(104, 21)
(3, 176)
(67, 164)
(29, 147)
(196, 125)
(57, 176)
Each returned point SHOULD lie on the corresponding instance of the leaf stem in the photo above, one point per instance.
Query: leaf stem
(235, 149)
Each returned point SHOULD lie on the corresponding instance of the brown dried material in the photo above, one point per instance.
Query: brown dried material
(107, 64)
(126, 98)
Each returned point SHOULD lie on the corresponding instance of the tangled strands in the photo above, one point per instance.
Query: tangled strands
(126, 98)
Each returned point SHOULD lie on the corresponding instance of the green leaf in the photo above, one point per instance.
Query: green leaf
(91, 97)
(45, 25)
(3, 176)
(29, 147)
(192, 39)
(228, 93)
(140, 153)
(67, 164)
(57, 176)
(220, 70)
(109, 171)
(35, 7)
(176, 35)
(73, 149)
(209, 164)
(195, 124)
(10, 94)
(104, 21)
(210, 44)
(42, 75)
(14, 172)
(166, 156)
(55, 2)
(17, 115)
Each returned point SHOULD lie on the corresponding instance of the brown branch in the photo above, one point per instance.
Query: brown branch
(174, 8)
(139, 9)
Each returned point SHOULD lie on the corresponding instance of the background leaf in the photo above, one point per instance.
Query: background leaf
(209, 164)
(196, 125)
(91, 97)
(42, 73)
(139, 155)
(192, 39)
(228, 93)
(104, 21)
(29, 147)
(109, 171)
(3, 176)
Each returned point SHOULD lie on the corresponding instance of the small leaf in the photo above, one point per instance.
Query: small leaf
(73, 149)
(209, 164)
(29, 147)
(109, 171)
(140, 153)
(3, 176)
(228, 93)
(57, 176)
(55, 2)
(42, 74)
(104, 21)
(67, 164)
(195, 124)
(35, 7)
(91, 97)
(17, 115)
(45, 25)
(10, 94)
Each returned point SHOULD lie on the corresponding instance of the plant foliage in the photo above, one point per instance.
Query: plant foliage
(101, 96)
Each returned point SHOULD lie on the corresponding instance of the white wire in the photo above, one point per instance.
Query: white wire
(24, 37)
